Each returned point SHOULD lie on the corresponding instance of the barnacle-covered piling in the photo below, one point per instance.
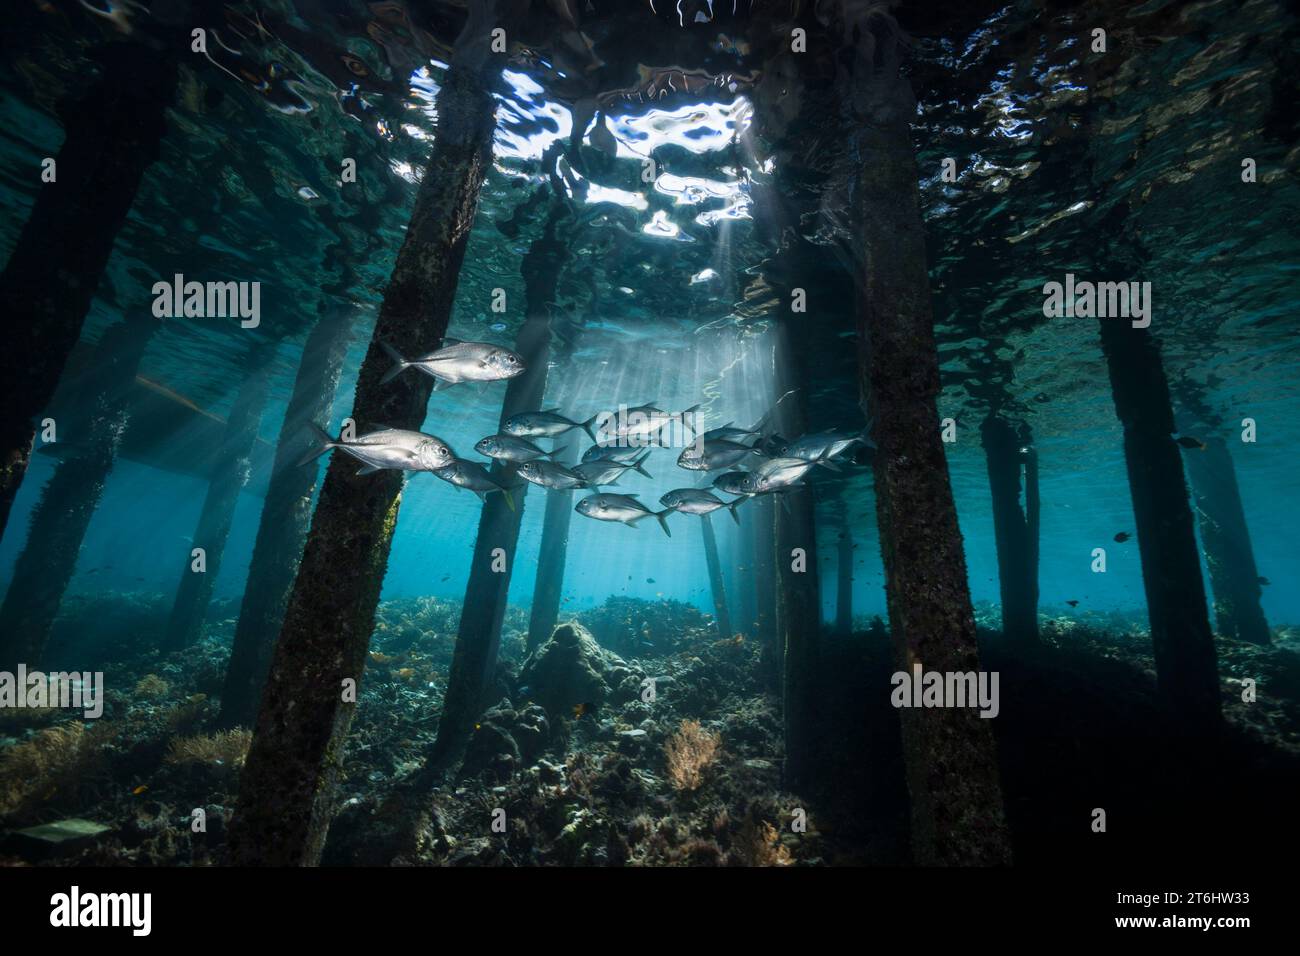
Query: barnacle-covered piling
(286, 790)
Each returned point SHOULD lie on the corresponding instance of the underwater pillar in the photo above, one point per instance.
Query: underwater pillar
(844, 582)
(798, 587)
(286, 516)
(69, 500)
(551, 557)
(1228, 552)
(230, 473)
(763, 521)
(286, 787)
(720, 612)
(479, 636)
(950, 756)
(111, 136)
(1015, 526)
(1183, 644)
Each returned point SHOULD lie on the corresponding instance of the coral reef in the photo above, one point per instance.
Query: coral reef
(688, 753)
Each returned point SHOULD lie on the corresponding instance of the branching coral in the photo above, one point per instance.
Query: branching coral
(689, 751)
(227, 747)
(758, 844)
(151, 687)
(53, 761)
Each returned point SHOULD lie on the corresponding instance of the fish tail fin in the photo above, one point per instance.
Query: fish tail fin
(731, 509)
(510, 499)
(864, 436)
(639, 463)
(760, 426)
(686, 418)
(399, 363)
(824, 459)
(662, 516)
(587, 427)
(325, 444)
(553, 452)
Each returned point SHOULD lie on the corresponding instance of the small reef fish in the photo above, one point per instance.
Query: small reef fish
(1187, 441)
(698, 501)
(458, 362)
(597, 473)
(1264, 581)
(1122, 537)
(139, 790)
(472, 475)
(544, 424)
(387, 448)
(1072, 603)
(550, 474)
(624, 508)
(716, 455)
(510, 448)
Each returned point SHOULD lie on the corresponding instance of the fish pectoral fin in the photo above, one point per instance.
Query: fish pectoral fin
(368, 470)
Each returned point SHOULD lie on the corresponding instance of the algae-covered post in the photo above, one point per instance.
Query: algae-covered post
(286, 797)
(111, 137)
(1015, 524)
(720, 613)
(1229, 555)
(551, 555)
(949, 752)
(286, 515)
(1182, 641)
(798, 581)
(762, 513)
(70, 498)
(229, 474)
(844, 580)
(479, 636)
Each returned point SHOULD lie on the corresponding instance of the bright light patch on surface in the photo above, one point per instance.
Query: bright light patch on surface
(527, 122)
(696, 127)
(597, 193)
(693, 190)
(660, 225)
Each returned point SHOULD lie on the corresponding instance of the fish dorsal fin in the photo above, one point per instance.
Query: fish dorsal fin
(550, 411)
(728, 425)
(448, 342)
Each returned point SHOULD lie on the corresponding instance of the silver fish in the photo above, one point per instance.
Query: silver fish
(828, 444)
(509, 448)
(777, 473)
(544, 424)
(458, 362)
(550, 474)
(395, 448)
(640, 424)
(715, 455)
(472, 475)
(597, 473)
(728, 432)
(698, 501)
(624, 508)
(623, 454)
